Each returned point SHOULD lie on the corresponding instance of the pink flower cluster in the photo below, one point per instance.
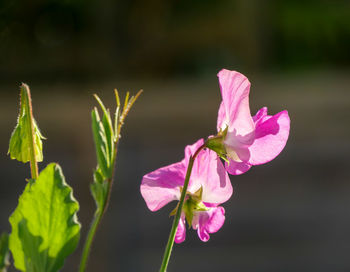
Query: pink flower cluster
(247, 140)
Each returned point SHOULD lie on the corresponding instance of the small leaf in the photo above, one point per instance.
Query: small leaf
(21, 138)
(126, 101)
(116, 116)
(106, 121)
(104, 139)
(187, 209)
(173, 212)
(45, 229)
(101, 144)
(99, 190)
(4, 252)
(127, 106)
(108, 128)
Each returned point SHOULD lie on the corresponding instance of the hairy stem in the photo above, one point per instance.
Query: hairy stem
(171, 239)
(26, 99)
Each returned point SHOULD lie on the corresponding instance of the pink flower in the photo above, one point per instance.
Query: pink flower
(249, 140)
(209, 186)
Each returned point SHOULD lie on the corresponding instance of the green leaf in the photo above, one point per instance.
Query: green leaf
(99, 190)
(116, 116)
(108, 127)
(106, 122)
(45, 229)
(4, 252)
(101, 144)
(104, 139)
(21, 138)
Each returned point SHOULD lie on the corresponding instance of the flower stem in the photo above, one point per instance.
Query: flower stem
(171, 239)
(27, 101)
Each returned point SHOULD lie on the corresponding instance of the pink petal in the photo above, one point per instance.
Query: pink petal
(222, 123)
(180, 235)
(163, 185)
(210, 174)
(237, 168)
(271, 135)
(191, 149)
(259, 115)
(234, 111)
(208, 222)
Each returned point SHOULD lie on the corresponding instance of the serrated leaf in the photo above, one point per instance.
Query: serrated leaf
(21, 136)
(4, 252)
(45, 229)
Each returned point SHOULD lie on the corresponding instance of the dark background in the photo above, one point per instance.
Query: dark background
(291, 214)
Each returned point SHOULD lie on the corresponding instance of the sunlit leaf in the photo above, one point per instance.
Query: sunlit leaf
(21, 138)
(99, 190)
(101, 144)
(108, 128)
(45, 229)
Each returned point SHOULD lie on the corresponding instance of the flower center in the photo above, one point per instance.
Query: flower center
(232, 154)
(193, 203)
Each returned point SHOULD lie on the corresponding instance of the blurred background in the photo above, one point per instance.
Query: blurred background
(289, 215)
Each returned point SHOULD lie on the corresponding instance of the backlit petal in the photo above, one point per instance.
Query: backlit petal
(235, 98)
(191, 149)
(237, 168)
(216, 183)
(222, 120)
(271, 135)
(180, 235)
(163, 185)
(208, 222)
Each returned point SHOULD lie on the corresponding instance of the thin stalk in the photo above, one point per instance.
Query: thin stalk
(99, 215)
(97, 221)
(171, 239)
(26, 98)
(89, 239)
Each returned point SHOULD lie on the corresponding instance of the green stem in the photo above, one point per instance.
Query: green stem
(95, 224)
(171, 239)
(26, 99)
(90, 237)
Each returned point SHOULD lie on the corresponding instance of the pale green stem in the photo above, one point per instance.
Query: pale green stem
(171, 239)
(26, 98)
